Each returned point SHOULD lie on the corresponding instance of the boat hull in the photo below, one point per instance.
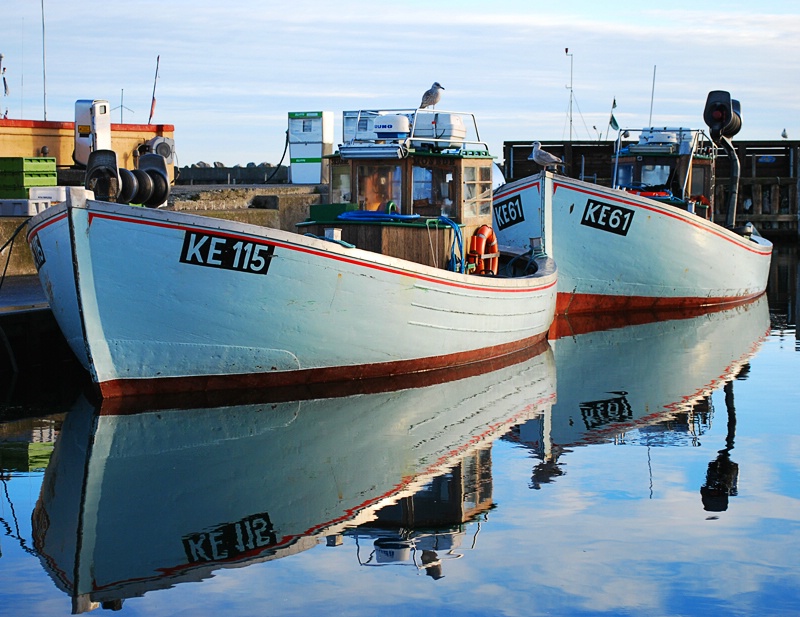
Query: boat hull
(619, 251)
(154, 301)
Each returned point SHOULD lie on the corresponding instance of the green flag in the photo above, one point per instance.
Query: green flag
(613, 123)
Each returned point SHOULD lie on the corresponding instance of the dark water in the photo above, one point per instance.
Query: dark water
(650, 469)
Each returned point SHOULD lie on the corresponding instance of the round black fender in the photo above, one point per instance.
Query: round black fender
(129, 186)
(160, 189)
(145, 189)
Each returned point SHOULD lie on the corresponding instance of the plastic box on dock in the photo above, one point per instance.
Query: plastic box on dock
(49, 193)
(23, 207)
(20, 193)
(39, 164)
(13, 180)
(19, 174)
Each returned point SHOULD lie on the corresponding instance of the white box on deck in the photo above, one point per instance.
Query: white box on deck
(50, 193)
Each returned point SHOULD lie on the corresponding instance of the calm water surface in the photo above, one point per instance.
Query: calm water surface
(650, 469)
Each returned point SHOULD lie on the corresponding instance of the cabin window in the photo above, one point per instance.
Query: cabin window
(477, 190)
(431, 192)
(378, 185)
(625, 175)
(340, 184)
(698, 181)
(655, 175)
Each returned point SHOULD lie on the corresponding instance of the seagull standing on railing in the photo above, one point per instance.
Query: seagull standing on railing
(544, 158)
(432, 96)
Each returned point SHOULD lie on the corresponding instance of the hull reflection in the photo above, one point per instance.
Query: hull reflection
(139, 500)
(641, 376)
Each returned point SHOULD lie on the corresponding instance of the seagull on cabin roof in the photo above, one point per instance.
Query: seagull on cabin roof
(432, 96)
(544, 158)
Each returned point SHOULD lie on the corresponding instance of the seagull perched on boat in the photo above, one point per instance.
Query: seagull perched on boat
(543, 157)
(432, 96)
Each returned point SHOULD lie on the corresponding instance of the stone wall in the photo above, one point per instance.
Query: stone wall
(217, 174)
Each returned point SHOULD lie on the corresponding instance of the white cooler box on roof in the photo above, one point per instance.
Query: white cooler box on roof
(449, 128)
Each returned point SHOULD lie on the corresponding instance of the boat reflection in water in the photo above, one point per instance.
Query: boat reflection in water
(140, 499)
(647, 383)
(646, 371)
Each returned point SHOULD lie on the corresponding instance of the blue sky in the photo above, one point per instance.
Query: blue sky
(231, 72)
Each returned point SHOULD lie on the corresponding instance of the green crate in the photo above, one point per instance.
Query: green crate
(19, 193)
(37, 164)
(20, 181)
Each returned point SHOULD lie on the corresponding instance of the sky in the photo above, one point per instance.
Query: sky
(229, 73)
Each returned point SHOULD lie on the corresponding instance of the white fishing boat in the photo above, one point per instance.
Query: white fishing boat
(407, 280)
(648, 242)
(138, 498)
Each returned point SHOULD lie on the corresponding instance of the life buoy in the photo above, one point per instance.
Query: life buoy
(651, 194)
(483, 253)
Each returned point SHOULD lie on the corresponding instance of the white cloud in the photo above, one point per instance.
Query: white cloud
(223, 64)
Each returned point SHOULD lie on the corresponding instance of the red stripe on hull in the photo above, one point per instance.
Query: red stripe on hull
(570, 304)
(581, 323)
(317, 252)
(300, 383)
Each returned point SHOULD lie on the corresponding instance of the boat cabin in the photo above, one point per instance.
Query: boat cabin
(407, 183)
(671, 165)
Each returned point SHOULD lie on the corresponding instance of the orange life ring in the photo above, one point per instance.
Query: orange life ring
(483, 252)
(650, 193)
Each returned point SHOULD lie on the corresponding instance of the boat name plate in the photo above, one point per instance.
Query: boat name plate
(228, 253)
(509, 212)
(607, 217)
(38, 253)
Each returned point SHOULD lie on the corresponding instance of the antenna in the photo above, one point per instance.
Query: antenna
(652, 92)
(22, 72)
(155, 81)
(121, 106)
(44, 66)
(5, 86)
(566, 51)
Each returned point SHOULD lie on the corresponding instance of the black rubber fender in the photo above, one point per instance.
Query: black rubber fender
(102, 181)
(130, 185)
(145, 190)
(160, 189)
